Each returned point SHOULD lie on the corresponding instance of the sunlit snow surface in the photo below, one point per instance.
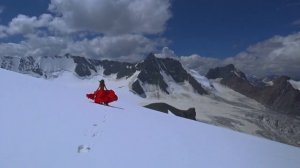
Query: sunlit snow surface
(50, 123)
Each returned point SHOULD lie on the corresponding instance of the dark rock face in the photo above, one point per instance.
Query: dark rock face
(83, 66)
(7, 62)
(281, 96)
(122, 69)
(179, 74)
(28, 64)
(240, 85)
(25, 64)
(163, 107)
(196, 85)
(225, 72)
(152, 68)
(150, 72)
(138, 89)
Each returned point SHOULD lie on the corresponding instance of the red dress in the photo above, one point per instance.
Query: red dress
(103, 96)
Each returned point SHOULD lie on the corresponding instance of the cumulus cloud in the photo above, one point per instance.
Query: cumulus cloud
(23, 24)
(125, 47)
(113, 17)
(34, 46)
(93, 28)
(166, 52)
(195, 61)
(278, 55)
(200, 63)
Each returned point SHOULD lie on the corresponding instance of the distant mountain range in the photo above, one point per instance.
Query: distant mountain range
(51, 67)
(151, 71)
(275, 93)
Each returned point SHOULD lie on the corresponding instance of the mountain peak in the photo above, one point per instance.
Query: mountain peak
(230, 67)
(225, 72)
(150, 56)
(155, 70)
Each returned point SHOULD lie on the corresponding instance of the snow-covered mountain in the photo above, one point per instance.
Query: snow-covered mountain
(51, 67)
(50, 123)
(160, 74)
(165, 85)
(152, 74)
(275, 93)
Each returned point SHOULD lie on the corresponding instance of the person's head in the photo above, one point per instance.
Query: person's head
(101, 81)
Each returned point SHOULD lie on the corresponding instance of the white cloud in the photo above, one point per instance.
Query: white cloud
(34, 46)
(195, 62)
(278, 55)
(12, 49)
(23, 24)
(59, 26)
(199, 63)
(92, 28)
(125, 47)
(166, 53)
(113, 17)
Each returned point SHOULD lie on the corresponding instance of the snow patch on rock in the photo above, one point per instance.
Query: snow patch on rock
(295, 84)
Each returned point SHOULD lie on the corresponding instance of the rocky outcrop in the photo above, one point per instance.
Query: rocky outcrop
(83, 66)
(27, 64)
(163, 107)
(7, 62)
(136, 86)
(281, 96)
(121, 69)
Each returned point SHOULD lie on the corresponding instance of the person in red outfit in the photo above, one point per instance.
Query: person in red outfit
(102, 85)
(102, 95)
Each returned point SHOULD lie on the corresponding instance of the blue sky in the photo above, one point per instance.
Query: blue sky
(247, 33)
(28, 7)
(222, 28)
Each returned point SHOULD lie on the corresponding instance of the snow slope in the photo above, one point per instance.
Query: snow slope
(44, 122)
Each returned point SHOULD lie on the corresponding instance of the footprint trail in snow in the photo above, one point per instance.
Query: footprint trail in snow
(93, 134)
